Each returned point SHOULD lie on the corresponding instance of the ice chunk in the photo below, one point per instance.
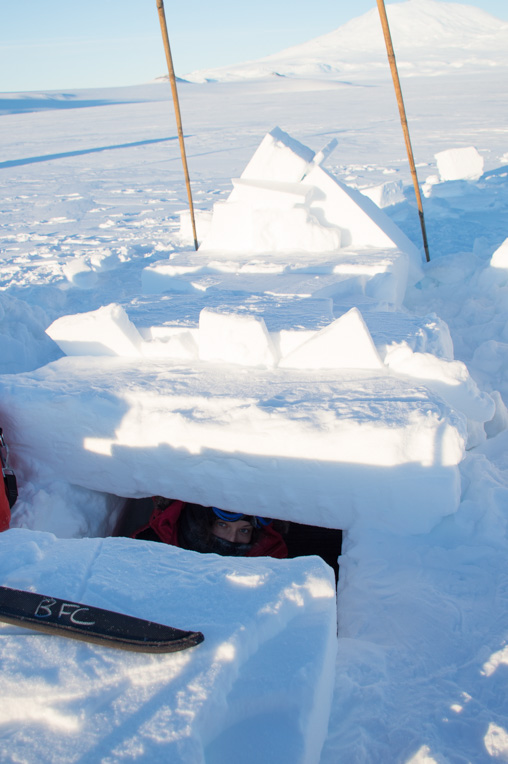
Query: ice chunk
(279, 157)
(106, 331)
(459, 164)
(235, 338)
(344, 344)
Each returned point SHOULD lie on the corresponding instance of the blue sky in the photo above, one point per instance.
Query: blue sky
(69, 44)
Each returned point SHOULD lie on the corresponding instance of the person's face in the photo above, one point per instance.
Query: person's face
(239, 532)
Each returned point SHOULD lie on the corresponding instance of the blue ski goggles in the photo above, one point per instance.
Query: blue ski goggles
(232, 517)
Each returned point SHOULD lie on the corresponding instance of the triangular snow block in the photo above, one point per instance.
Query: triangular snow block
(363, 224)
(279, 157)
(344, 344)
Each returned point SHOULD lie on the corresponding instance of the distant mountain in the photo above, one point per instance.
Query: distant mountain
(430, 37)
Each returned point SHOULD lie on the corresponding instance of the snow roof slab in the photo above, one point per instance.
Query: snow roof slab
(335, 448)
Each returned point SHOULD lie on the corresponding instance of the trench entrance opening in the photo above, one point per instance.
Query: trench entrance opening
(301, 539)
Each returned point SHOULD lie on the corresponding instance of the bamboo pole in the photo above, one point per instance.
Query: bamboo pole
(402, 112)
(172, 79)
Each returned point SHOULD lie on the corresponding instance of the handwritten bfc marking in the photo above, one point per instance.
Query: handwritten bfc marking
(66, 610)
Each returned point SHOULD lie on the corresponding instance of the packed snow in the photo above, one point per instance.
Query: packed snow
(68, 701)
(305, 363)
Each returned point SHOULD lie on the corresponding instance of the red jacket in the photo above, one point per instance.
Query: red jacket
(5, 510)
(165, 524)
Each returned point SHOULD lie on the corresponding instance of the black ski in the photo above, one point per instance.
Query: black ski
(91, 624)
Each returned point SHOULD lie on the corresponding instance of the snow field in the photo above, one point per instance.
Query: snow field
(420, 671)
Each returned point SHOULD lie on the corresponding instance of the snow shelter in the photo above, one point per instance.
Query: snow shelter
(281, 382)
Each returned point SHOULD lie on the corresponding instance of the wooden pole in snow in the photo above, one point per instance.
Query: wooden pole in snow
(402, 112)
(172, 79)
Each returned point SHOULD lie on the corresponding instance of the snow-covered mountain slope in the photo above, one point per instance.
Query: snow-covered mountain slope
(429, 36)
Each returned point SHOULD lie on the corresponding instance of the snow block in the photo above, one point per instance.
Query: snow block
(286, 203)
(449, 379)
(390, 330)
(165, 342)
(499, 258)
(497, 274)
(279, 157)
(106, 331)
(242, 227)
(271, 194)
(337, 448)
(459, 164)
(385, 194)
(268, 216)
(235, 338)
(182, 708)
(362, 223)
(345, 344)
(393, 328)
(202, 220)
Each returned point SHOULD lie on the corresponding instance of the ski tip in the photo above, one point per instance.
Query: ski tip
(197, 637)
(188, 640)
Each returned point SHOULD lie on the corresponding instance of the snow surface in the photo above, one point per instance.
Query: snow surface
(198, 367)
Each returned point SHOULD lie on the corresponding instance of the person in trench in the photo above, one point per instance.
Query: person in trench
(210, 529)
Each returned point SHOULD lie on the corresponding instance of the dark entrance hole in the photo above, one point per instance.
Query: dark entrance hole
(301, 540)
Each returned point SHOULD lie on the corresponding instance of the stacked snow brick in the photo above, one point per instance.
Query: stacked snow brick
(285, 201)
